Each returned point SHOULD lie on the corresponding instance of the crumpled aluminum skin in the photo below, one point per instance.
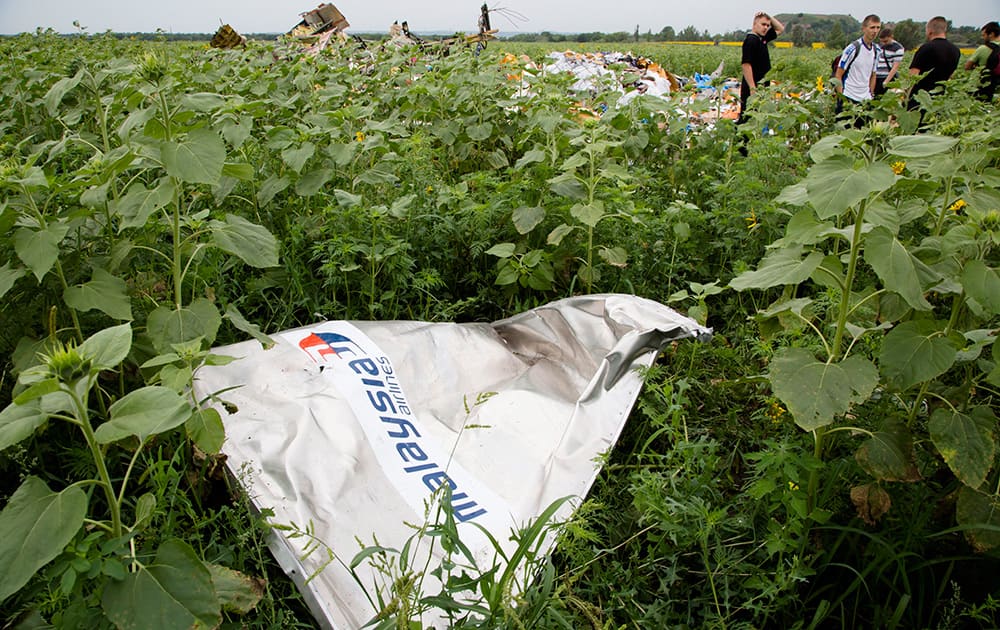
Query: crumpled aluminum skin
(344, 429)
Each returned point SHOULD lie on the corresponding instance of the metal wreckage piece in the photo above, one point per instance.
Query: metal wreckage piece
(227, 37)
(347, 429)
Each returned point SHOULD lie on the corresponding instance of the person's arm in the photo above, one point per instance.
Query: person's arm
(845, 60)
(871, 83)
(978, 56)
(839, 85)
(892, 72)
(778, 27)
(916, 62)
(748, 77)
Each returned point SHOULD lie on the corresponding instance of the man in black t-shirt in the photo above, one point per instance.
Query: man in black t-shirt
(937, 57)
(756, 60)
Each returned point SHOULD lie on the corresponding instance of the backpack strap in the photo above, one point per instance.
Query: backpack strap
(857, 49)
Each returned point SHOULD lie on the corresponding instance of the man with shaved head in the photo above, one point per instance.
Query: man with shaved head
(937, 57)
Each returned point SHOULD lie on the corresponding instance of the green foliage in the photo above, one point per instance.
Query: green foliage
(829, 459)
(890, 271)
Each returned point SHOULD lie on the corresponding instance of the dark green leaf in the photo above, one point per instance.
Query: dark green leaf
(8, 276)
(252, 243)
(895, 266)
(530, 157)
(341, 153)
(983, 285)
(144, 508)
(781, 267)
(502, 250)
(95, 196)
(237, 131)
(35, 526)
(508, 274)
(526, 218)
(558, 234)
(966, 442)
(588, 214)
(205, 429)
(203, 102)
(888, 455)
(816, 392)
(238, 170)
(19, 422)
(58, 91)
(271, 187)
(296, 157)
(835, 186)
(197, 159)
(238, 593)
(37, 390)
(346, 199)
(379, 174)
(804, 229)
(139, 203)
(312, 182)
(143, 413)
(497, 159)
(568, 186)
(236, 318)
(980, 512)
(174, 592)
(922, 145)
(785, 306)
(104, 293)
(914, 352)
(39, 249)
(168, 326)
(479, 132)
(108, 347)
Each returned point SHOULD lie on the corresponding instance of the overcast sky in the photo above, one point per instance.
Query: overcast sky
(267, 16)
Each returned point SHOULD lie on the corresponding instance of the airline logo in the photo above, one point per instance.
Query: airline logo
(367, 379)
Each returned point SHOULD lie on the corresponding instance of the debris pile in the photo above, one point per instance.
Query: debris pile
(324, 18)
(703, 98)
(227, 37)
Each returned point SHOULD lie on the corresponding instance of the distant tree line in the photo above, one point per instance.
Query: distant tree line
(666, 34)
(837, 30)
(802, 29)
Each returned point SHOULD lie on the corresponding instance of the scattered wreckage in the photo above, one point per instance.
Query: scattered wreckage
(227, 37)
(700, 99)
(324, 22)
(320, 25)
(703, 98)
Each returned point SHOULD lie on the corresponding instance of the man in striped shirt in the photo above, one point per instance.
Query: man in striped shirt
(887, 62)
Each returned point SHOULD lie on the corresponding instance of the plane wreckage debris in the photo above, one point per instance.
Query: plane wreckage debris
(227, 37)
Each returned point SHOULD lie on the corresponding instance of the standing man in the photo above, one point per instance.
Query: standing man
(756, 60)
(856, 71)
(887, 63)
(982, 57)
(937, 57)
